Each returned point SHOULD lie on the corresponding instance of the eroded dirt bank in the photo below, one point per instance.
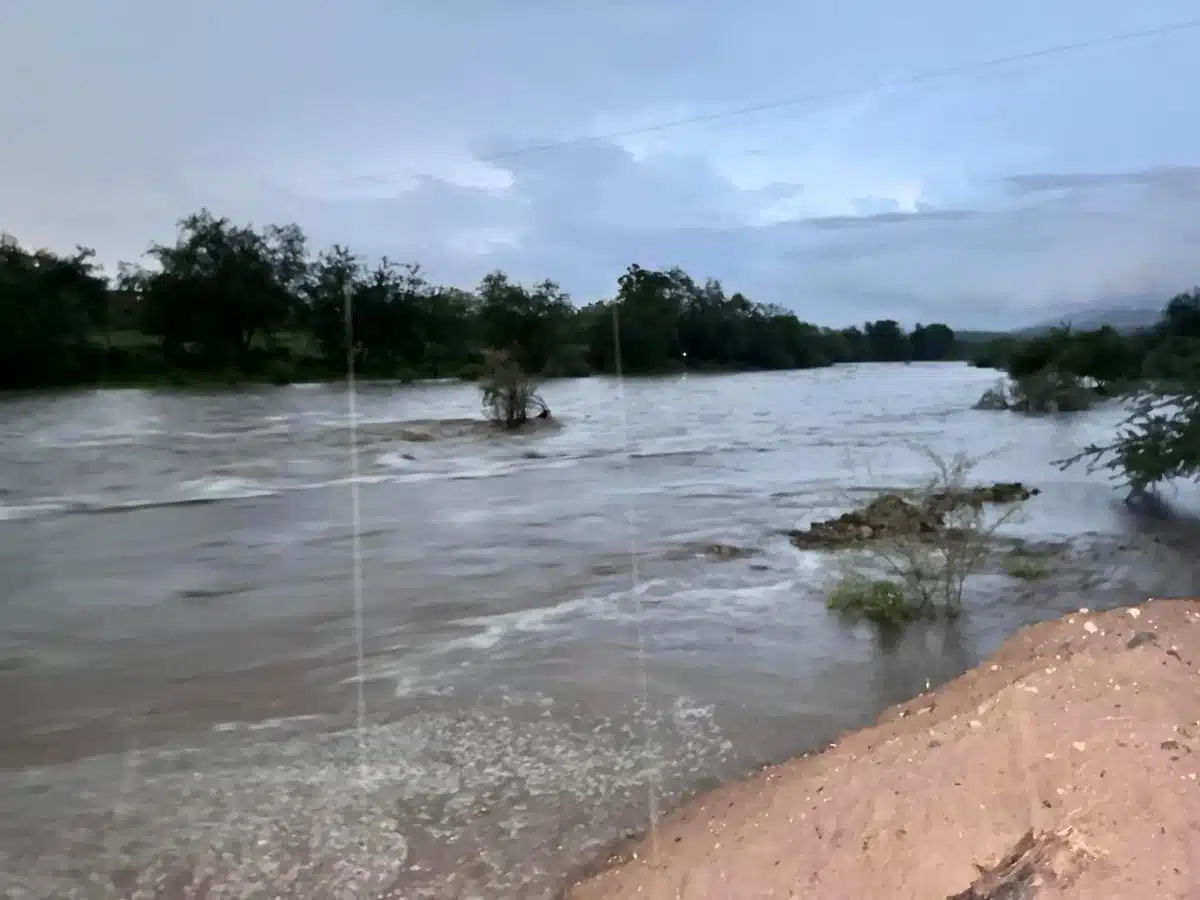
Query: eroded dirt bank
(1066, 766)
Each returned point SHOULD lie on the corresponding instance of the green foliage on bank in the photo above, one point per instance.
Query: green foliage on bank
(226, 302)
(1113, 360)
(1155, 371)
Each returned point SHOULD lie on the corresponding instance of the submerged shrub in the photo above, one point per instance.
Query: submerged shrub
(510, 396)
(876, 600)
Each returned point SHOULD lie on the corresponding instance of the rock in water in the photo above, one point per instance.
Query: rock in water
(890, 515)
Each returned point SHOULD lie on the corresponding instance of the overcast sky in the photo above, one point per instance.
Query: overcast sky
(989, 198)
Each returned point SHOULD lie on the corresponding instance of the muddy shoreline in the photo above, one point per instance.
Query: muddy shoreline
(1101, 573)
(1051, 833)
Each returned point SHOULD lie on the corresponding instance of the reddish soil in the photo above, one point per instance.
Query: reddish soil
(1066, 766)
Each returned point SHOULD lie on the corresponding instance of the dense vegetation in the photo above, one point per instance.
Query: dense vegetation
(232, 302)
(1168, 350)
(1156, 369)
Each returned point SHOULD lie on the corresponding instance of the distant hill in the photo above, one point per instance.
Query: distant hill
(1128, 316)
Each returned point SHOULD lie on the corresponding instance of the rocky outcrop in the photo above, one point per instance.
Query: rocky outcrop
(977, 495)
(893, 515)
(728, 551)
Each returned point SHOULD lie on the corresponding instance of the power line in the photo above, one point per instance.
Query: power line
(821, 96)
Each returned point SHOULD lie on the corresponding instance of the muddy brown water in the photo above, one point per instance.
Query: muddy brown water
(178, 667)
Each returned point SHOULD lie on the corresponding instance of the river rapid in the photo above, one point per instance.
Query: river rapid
(549, 656)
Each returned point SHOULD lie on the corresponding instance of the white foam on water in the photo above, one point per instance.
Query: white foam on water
(212, 487)
(343, 482)
(716, 603)
(405, 672)
(266, 724)
(663, 597)
(207, 489)
(84, 443)
(394, 459)
(416, 686)
(494, 630)
(221, 488)
(423, 672)
(17, 512)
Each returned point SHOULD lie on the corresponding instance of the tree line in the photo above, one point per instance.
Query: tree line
(1168, 351)
(233, 302)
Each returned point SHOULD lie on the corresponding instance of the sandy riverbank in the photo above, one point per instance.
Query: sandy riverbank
(1066, 766)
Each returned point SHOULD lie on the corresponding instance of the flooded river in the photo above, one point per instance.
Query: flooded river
(548, 654)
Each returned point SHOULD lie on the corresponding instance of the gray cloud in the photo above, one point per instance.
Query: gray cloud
(1162, 177)
(1104, 240)
(585, 218)
(837, 223)
(985, 199)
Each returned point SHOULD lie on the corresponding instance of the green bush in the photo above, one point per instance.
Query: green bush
(280, 372)
(568, 362)
(1025, 567)
(879, 601)
(472, 372)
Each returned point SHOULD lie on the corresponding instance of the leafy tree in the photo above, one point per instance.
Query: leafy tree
(932, 342)
(852, 345)
(49, 306)
(449, 319)
(1103, 355)
(333, 281)
(220, 286)
(1035, 355)
(887, 342)
(531, 324)
(1181, 318)
(712, 326)
(648, 308)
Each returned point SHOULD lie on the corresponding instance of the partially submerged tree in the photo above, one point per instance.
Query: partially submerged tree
(1040, 393)
(933, 568)
(510, 397)
(926, 546)
(877, 600)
